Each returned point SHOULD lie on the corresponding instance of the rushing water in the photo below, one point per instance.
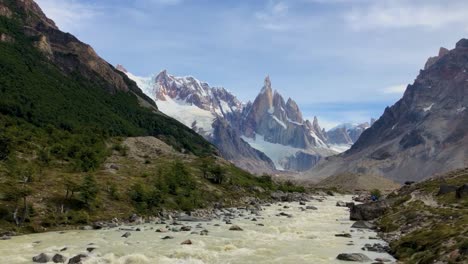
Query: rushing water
(307, 237)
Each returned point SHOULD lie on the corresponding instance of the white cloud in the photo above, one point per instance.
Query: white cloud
(68, 14)
(274, 16)
(395, 89)
(407, 14)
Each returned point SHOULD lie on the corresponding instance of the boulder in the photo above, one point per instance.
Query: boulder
(167, 237)
(235, 228)
(127, 234)
(187, 242)
(310, 207)
(368, 211)
(204, 232)
(41, 258)
(77, 259)
(445, 188)
(357, 257)
(162, 230)
(57, 258)
(462, 191)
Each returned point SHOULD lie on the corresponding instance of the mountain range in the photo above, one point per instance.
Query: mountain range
(266, 135)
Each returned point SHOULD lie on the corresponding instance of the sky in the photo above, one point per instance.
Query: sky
(340, 60)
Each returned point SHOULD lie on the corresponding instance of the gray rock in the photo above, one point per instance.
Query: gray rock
(167, 237)
(204, 232)
(368, 211)
(187, 242)
(57, 258)
(77, 259)
(236, 228)
(41, 258)
(343, 235)
(357, 257)
(186, 228)
(363, 225)
(127, 234)
(310, 207)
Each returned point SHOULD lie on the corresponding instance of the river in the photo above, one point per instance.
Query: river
(307, 237)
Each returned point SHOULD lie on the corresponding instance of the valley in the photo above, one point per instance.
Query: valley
(100, 165)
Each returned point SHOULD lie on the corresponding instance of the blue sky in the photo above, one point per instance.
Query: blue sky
(342, 60)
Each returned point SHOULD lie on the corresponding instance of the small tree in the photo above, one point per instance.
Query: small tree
(88, 190)
(70, 187)
(218, 174)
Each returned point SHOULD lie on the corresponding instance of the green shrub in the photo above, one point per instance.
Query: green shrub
(88, 190)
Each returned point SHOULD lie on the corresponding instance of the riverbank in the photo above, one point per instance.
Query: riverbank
(312, 231)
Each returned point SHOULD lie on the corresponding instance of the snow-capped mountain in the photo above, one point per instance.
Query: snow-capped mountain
(343, 136)
(265, 135)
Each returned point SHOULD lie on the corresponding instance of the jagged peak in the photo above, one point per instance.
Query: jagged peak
(462, 43)
(162, 75)
(121, 68)
(266, 85)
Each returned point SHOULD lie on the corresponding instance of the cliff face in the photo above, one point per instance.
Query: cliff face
(425, 132)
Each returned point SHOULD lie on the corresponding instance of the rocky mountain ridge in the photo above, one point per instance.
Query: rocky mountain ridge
(424, 133)
(263, 136)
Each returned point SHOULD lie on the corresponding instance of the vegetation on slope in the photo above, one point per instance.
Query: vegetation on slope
(40, 192)
(425, 226)
(62, 138)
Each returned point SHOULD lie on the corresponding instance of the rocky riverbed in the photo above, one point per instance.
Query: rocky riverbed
(313, 231)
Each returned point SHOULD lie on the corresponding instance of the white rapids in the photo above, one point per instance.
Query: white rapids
(307, 237)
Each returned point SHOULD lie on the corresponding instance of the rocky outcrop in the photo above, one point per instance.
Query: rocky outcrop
(368, 211)
(432, 60)
(424, 133)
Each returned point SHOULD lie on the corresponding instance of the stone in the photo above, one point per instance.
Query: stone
(187, 242)
(236, 228)
(186, 228)
(41, 258)
(204, 232)
(285, 214)
(363, 225)
(57, 258)
(167, 237)
(127, 234)
(310, 207)
(162, 230)
(91, 249)
(77, 259)
(343, 235)
(357, 257)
